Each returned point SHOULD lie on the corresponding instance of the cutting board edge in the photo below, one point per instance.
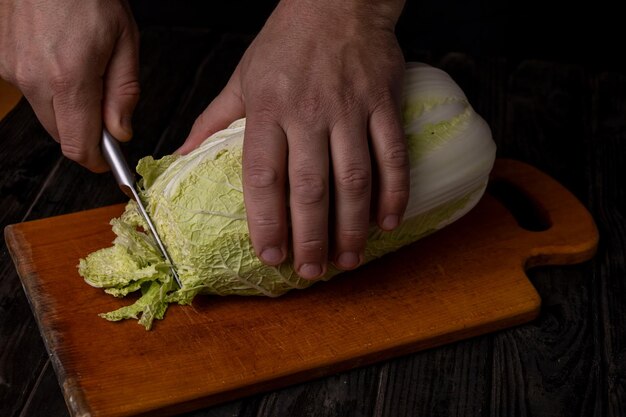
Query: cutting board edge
(74, 398)
(79, 401)
(304, 375)
(16, 244)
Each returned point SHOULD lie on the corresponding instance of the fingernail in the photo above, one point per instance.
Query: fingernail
(390, 222)
(272, 256)
(348, 260)
(310, 271)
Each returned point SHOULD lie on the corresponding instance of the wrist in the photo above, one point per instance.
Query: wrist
(383, 14)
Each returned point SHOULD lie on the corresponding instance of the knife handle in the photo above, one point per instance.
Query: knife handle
(115, 158)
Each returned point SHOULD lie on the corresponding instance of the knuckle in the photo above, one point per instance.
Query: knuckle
(261, 177)
(267, 98)
(72, 150)
(353, 236)
(385, 101)
(354, 181)
(130, 88)
(396, 156)
(61, 83)
(312, 246)
(397, 196)
(266, 221)
(264, 113)
(309, 189)
(265, 228)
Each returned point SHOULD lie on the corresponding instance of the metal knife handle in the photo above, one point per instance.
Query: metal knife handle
(126, 180)
(114, 156)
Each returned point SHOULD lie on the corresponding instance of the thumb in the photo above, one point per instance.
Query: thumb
(121, 86)
(227, 107)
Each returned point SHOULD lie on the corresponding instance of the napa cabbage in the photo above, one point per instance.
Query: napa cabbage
(196, 203)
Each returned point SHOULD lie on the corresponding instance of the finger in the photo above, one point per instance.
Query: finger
(121, 86)
(308, 178)
(352, 178)
(391, 155)
(264, 178)
(227, 107)
(77, 108)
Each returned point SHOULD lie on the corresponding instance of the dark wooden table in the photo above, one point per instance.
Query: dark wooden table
(566, 117)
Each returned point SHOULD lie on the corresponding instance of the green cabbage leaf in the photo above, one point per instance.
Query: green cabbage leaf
(196, 203)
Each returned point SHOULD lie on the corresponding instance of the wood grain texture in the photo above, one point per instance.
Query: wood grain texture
(458, 283)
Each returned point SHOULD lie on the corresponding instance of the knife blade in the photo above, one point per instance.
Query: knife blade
(126, 180)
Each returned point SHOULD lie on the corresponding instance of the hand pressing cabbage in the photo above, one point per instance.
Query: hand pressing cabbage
(196, 203)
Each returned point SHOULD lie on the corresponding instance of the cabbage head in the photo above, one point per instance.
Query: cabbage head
(196, 204)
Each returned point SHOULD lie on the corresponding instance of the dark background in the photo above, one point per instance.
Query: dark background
(591, 34)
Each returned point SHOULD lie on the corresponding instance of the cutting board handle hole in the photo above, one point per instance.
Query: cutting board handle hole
(529, 213)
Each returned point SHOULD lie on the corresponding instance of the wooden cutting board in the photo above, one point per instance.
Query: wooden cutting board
(465, 280)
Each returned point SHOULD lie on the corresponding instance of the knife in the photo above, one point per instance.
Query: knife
(126, 181)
